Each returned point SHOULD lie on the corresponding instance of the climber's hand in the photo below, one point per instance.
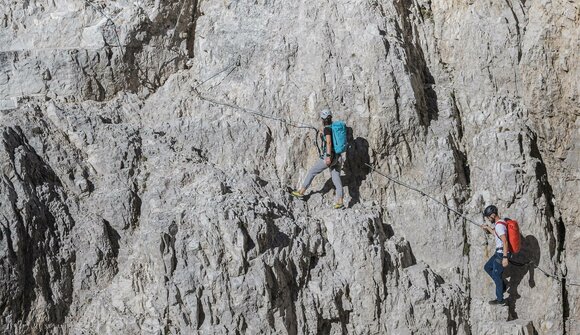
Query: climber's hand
(504, 262)
(327, 160)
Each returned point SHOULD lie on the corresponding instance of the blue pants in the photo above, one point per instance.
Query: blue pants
(494, 269)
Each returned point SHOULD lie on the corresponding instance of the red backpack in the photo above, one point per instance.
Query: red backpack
(513, 234)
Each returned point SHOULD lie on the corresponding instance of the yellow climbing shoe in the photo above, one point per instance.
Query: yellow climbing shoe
(338, 206)
(297, 194)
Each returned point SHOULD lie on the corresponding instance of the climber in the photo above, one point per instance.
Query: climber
(500, 259)
(330, 156)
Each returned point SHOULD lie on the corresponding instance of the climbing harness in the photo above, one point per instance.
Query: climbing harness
(561, 279)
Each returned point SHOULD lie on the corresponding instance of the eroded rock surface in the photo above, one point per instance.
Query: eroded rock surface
(143, 194)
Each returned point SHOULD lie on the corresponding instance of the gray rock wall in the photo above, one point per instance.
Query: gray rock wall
(137, 200)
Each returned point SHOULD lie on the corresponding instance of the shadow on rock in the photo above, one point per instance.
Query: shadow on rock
(354, 167)
(519, 267)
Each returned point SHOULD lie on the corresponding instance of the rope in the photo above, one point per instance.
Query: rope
(255, 112)
(235, 64)
(230, 68)
(119, 45)
(561, 279)
(423, 194)
(100, 11)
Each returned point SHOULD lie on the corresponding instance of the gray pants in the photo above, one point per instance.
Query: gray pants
(334, 173)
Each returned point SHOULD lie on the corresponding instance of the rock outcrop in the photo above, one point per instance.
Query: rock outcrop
(148, 148)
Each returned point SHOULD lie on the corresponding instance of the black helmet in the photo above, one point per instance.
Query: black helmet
(491, 209)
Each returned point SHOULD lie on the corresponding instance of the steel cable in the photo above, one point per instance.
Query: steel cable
(561, 279)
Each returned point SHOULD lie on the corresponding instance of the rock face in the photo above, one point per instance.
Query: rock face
(145, 170)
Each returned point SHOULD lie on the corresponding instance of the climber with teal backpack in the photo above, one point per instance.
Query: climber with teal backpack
(334, 141)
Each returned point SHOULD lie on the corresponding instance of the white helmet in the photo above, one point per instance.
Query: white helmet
(325, 113)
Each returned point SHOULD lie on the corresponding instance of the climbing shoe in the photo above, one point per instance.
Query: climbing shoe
(497, 302)
(297, 194)
(338, 206)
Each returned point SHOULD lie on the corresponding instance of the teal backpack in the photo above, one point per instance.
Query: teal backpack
(338, 136)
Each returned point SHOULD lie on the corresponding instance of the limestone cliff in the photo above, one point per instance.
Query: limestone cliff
(145, 169)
